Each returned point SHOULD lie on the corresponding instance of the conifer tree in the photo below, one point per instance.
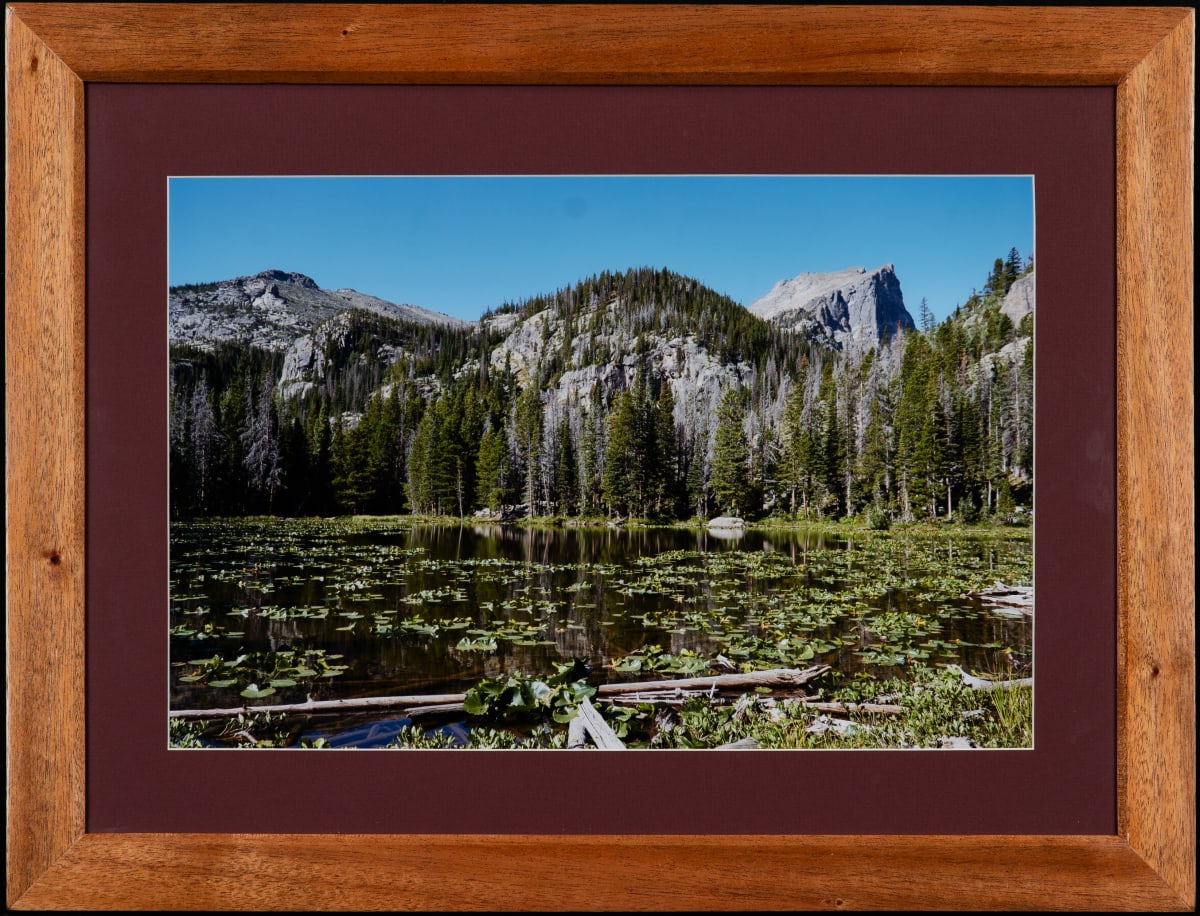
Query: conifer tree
(591, 453)
(566, 478)
(260, 439)
(731, 455)
(619, 483)
(492, 470)
(666, 447)
(320, 444)
(204, 444)
(527, 436)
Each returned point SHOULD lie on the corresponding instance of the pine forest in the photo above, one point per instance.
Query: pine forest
(930, 424)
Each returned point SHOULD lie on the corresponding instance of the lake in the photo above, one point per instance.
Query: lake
(268, 611)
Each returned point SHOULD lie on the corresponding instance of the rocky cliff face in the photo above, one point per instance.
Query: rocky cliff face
(697, 377)
(1020, 300)
(272, 310)
(834, 309)
(312, 357)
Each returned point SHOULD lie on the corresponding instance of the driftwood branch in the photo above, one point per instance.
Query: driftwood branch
(312, 706)
(844, 709)
(983, 683)
(601, 733)
(773, 677)
(451, 702)
(1011, 600)
(576, 734)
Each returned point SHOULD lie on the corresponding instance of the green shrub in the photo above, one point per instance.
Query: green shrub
(877, 518)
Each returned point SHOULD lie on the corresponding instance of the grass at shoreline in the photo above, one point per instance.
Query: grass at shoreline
(842, 526)
(938, 711)
(828, 526)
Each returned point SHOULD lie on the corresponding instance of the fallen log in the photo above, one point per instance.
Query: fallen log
(774, 677)
(601, 733)
(983, 683)
(845, 709)
(677, 698)
(311, 706)
(576, 734)
(1010, 600)
(433, 709)
(743, 744)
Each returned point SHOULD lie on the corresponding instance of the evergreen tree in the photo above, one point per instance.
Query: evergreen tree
(1012, 268)
(668, 485)
(591, 454)
(351, 475)
(566, 478)
(204, 441)
(262, 459)
(731, 456)
(232, 420)
(619, 483)
(793, 469)
(320, 444)
(697, 475)
(926, 321)
(296, 496)
(492, 470)
(527, 435)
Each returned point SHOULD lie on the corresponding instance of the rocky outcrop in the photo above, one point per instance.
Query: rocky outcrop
(834, 309)
(272, 310)
(696, 376)
(338, 345)
(1020, 300)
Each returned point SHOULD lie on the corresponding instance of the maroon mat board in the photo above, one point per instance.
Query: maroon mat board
(138, 135)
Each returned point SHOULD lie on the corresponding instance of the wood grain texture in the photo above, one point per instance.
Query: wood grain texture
(536, 43)
(44, 349)
(1156, 455)
(1147, 54)
(587, 874)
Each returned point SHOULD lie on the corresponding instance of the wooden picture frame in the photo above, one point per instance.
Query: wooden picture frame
(53, 49)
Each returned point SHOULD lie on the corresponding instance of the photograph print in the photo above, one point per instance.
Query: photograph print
(601, 462)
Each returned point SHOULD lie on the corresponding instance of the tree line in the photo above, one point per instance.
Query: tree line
(933, 423)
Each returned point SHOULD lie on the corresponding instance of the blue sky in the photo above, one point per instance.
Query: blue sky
(460, 245)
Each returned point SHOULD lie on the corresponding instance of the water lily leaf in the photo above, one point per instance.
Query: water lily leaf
(475, 704)
(226, 682)
(254, 693)
(283, 682)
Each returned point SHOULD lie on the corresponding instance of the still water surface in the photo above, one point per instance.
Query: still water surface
(404, 608)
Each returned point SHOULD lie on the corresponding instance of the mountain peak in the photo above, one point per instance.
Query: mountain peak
(285, 276)
(838, 306)
(272, 309)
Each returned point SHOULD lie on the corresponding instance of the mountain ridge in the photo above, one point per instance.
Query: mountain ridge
(271, 309)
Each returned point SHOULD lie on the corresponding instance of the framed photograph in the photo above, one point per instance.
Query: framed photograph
(1096, 812)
